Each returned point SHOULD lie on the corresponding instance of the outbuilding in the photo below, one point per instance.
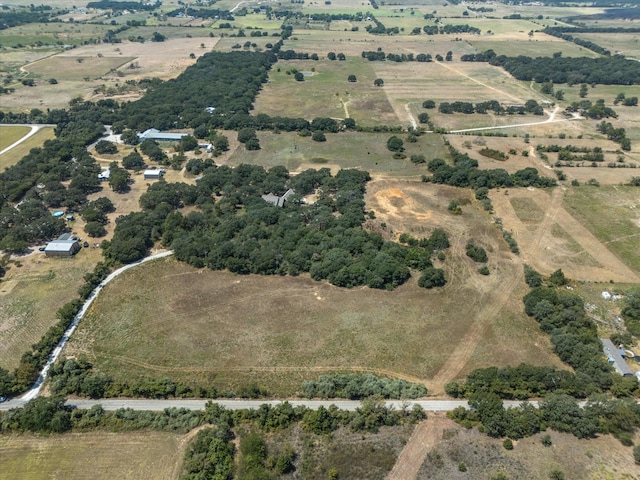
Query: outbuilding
(155, 134)
(153, 174)
(614, 357)
(64, 246)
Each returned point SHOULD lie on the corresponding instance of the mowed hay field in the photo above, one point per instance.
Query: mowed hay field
(95, 455)
(169, 319)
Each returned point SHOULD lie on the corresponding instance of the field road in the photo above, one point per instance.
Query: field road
(240, 404)
(35, 390)
(34, 130)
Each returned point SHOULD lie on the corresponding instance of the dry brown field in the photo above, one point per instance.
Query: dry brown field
(204, 323)
(95, 455)
(164, 60)
(602, 458)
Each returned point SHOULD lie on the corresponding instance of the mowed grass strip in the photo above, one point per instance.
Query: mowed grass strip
(10, 134)
(95, 455)
(612, 214)
(15, 154)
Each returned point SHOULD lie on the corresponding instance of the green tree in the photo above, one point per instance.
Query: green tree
(532, 277)
(299, 76)
(395, 144)
(188, 143)
(432, 277)
(429, 104)
(352, 78)
(636, 454)
(246, 134)
(584, 90)
(133, 161)
(158, 37)
(118, 178)
(318, 136)
(130, 137)
(558, 279)
(378, 82)
(105, 147)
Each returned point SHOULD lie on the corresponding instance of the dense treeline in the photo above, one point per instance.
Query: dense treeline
(573, 334)
(555, 32)
(203, 13)
(631, 312)
(358, 386)
(530, 106)
(244, 234)
(449, 29)
(228, 81)
(465, 173)
(615, 70)
(123, 5)
(380, 56)
(560, 412)
(15, 18)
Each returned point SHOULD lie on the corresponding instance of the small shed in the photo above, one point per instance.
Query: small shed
(276, 200)
(64, 246)
(153, 174)
(104, 175)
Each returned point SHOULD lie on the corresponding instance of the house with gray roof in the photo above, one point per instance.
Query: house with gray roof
(276, 200)
(615, 358)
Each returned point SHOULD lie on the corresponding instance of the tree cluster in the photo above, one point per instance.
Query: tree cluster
(465, 173)
(614, 70)
(530, 106)
(356, 386)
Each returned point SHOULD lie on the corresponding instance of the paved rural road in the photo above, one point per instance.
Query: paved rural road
(159, 405)
(34, 130)
(35, 390)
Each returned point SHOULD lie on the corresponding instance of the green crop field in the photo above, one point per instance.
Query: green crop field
(96, 455)
(9, 134)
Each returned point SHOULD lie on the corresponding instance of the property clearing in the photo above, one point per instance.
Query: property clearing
(198, 325)
(10, 134)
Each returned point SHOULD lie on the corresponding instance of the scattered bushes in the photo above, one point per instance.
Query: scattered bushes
(356, 386)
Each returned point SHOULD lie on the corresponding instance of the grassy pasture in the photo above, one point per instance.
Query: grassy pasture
(31, 294)
(343, 150)
(623, 43)
(612, 214)
(15, 154)
(10, 134)
(541, 46)
(96, 455)
(75, 68)
(326, 91)
(199, 325)
(52, 33)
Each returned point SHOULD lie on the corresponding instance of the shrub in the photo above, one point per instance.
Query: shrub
(476, 253)
(507, 444)
(432, 277)
(546, 440)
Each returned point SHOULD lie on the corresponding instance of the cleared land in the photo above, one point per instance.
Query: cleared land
(611, 214)
(30, 295)
(484, 457)
(550, 237)
(279, 331)
(10, 134)
(95, 455)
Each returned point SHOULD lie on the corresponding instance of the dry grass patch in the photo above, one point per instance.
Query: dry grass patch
(31, 294)
(75, 68)
(168, 319)
(15, 154)
(11, 134)
(484, 457)
(95, 455)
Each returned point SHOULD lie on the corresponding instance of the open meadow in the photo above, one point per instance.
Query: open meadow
(16, 153)
(366, 151)
(95, 455)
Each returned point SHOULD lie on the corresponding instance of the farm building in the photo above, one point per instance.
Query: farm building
(615, 358)
(276, 200)
(153, 174)
(159, 136)
(64, 246)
